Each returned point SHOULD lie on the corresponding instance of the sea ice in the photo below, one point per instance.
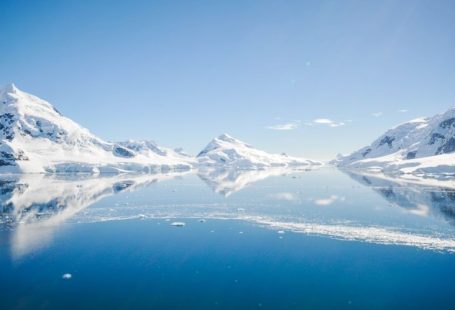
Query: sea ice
(67, 276)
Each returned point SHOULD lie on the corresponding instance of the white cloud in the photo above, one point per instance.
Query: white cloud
(377, 114)
(402, 111)
(328, 122)
(421, 210)
(284, 196)
(286, 126)
(328, 201)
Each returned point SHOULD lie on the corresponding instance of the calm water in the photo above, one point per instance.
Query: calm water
(270, 239)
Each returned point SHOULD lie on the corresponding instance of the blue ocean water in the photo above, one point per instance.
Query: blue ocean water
(266, 239)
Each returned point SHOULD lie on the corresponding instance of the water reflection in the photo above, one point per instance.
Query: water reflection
(33, 207)
(417, 196)
(228, 181)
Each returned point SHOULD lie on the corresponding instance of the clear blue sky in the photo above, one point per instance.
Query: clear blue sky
(182, 72)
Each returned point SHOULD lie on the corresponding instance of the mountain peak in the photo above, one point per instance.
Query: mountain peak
(35, 137)
(229, 152)
(409, 144)
(226, 137)
(9, 89)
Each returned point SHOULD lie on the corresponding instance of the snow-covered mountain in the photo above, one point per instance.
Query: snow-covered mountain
(424, 145)
(36, 138)
(230, 152)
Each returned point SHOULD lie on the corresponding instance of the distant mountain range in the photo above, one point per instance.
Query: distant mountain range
(36, 138)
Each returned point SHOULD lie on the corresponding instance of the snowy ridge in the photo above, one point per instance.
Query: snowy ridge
(37, 138)
(420, 146)
(233, 153)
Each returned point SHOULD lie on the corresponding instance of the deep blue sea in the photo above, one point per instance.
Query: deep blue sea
(220, 239)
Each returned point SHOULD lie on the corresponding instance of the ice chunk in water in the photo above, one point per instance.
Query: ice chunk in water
(178, 224)
(67, 276)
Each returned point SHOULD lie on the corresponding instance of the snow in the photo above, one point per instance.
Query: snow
(229, 152)
(36, 138)
(420, 146)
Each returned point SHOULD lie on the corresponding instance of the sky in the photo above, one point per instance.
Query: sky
(309, 78)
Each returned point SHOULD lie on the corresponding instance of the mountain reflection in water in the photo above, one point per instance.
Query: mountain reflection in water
(33, 207)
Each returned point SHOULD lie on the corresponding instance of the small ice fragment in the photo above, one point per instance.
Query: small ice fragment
(67, 276)
(240, 209)
(241, 232)
(202, 220)
(141, 216)
(280, 231)
(110, 209)
(167, 220)
(178, 224)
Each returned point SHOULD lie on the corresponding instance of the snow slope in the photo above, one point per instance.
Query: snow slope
(36, 138)
(229, 152)
(420, 146)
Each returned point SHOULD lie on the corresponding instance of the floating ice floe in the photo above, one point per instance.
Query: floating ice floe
(67, 276)
(178, 224)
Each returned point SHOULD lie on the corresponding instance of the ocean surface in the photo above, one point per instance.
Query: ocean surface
(227, 239)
